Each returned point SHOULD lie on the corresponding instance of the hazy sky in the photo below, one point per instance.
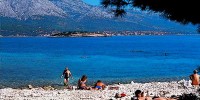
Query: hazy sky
(93, 2)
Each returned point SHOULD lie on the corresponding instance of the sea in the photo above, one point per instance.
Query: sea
(40, 61)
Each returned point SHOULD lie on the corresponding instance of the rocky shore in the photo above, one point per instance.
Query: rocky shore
(162, 89)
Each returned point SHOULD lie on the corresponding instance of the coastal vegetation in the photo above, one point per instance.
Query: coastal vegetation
(97, 34)
(79, 34)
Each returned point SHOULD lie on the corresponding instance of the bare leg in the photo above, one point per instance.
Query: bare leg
(66, 82)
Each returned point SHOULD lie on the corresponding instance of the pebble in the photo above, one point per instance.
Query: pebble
(166, 89)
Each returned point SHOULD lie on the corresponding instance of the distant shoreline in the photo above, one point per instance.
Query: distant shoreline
(97, 36)
(100, 34)
(74, 83)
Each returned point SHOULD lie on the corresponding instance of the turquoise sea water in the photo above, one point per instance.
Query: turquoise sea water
(40, 60)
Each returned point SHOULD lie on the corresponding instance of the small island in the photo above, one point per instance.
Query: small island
(95, 34)
(104, 33)
(79, 34)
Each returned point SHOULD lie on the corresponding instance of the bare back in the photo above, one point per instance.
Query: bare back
(67, 73)
(195, 79)
(100, 84)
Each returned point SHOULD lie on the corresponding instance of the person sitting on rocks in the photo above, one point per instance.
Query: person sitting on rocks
(195, 78)
(82, 83)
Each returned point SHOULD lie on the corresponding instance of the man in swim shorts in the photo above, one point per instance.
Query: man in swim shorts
(99, 85)
(67, 74)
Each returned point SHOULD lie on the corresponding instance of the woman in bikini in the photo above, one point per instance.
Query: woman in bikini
(82, 83)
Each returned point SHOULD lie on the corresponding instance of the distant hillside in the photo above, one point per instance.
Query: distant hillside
(34, 17)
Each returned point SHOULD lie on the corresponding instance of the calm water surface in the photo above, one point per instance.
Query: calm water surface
(40, 60)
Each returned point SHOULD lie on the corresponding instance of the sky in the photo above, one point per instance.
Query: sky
(92, 2)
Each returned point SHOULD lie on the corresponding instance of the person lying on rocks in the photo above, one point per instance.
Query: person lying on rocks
(139, 95)
(99, 85)
(163, 98)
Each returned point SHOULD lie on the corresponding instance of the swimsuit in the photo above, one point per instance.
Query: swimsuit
(80, 83)
(82, 88)
(98, 87)
(66, 77)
